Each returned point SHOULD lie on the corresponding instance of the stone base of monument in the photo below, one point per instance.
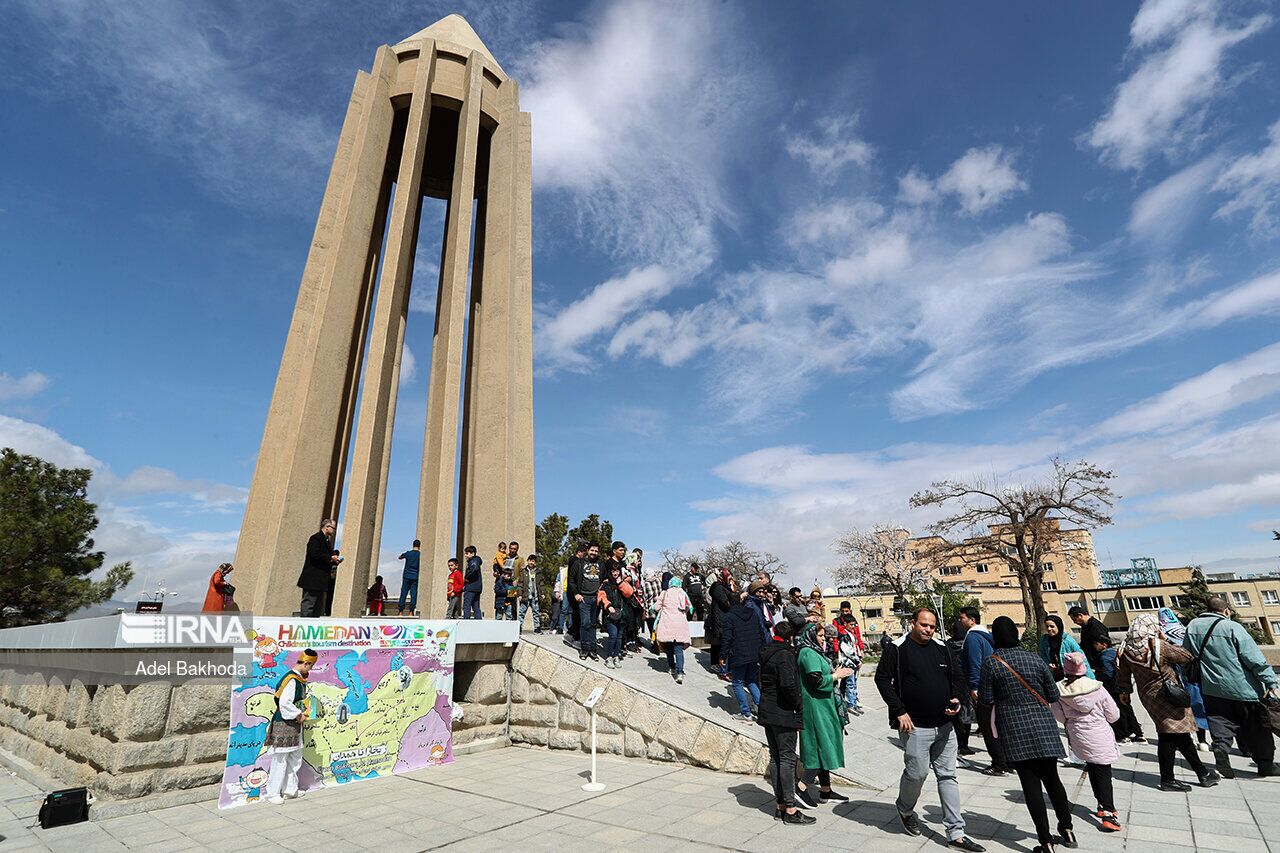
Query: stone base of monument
(161, 743)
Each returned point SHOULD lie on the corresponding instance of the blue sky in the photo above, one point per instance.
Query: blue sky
(790, 267)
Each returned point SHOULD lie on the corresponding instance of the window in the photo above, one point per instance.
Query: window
(1146, 602)
(875, 613)
(945, 570)
(1270, 596)
(1239, 599)
(1175, 601)
(1011, 550)
(982, 568)
(1107, 605)
(1045, 585)
(1275, 629)
(1046, 567)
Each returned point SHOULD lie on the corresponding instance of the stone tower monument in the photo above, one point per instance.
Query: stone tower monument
(436, 117)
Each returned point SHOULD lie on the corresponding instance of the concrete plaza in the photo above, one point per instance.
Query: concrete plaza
(524, 798)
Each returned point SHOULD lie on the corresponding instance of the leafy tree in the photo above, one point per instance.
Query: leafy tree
(953, 599)
(552, 537)
(1193, 599)
(591, 530)
(46, 547)
(1017, 524)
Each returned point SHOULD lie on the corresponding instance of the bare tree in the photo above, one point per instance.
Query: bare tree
(742, 562)
(877, 559)
(1017, 524)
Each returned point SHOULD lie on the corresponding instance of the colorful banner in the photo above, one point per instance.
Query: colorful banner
(380, 696)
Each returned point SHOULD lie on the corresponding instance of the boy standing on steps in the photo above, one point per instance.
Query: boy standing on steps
(284, 734)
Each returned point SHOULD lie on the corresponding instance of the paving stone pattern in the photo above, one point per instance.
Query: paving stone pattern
(524, 798)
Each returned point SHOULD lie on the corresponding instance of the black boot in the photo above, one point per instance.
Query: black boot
(1223, 762)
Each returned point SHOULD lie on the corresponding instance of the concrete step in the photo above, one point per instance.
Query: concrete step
(872, 758)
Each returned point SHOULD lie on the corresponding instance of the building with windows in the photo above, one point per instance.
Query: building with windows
(1069, 563)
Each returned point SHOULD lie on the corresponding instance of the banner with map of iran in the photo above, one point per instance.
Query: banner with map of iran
(380, 696)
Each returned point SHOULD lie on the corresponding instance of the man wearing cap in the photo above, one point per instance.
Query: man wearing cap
(284, 734)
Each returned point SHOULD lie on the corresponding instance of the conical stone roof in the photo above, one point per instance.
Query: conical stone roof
(455, 29)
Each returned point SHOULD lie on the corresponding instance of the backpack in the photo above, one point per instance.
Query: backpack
(1192, 672)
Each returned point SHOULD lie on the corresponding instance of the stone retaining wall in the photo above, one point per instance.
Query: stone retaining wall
(547, 692)
(122, 742)
(127, 742)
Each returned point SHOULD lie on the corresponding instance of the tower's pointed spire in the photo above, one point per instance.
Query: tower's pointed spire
(454, 28)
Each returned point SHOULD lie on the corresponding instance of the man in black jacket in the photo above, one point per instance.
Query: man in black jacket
(579, 554)
(472, 584)
(584, 583)
(313, 580)
(780, 712)
(921, 682)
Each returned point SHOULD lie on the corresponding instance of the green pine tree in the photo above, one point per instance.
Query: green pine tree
(46, 543)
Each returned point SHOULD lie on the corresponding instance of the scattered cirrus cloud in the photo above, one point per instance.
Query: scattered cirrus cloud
(1180, 48)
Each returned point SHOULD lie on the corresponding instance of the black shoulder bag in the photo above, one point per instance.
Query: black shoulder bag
(1191, 673)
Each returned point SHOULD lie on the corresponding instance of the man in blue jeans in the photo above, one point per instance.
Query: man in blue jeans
(742, 636)
(584, 583)
(472, 584)
(409, 581)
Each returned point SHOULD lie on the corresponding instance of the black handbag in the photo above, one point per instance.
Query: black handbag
(1170, 688)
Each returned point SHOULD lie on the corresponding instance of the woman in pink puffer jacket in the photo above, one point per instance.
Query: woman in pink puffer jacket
(1088, 711)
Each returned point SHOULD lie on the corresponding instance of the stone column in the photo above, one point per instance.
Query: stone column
(440, 444)
(365, 499)
(291, 486)
(519, 480)
(483, 489)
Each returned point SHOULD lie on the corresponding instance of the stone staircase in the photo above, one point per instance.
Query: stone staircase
(642, 713)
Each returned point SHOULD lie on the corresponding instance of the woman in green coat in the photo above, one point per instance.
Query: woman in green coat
(822, 741)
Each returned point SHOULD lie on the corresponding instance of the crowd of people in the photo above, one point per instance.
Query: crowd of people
(1206, 686)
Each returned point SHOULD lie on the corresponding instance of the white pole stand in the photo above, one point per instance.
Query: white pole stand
(594, 786)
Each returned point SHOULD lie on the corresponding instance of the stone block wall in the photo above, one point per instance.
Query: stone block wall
(547, 693)
(122, 742)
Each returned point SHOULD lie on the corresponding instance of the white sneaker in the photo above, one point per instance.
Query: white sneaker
(295, 796)
(276, 800)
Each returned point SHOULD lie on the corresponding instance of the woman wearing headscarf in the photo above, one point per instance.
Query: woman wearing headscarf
(721, 595)
(673, 626)
(781, 714)
(219, 596)
(1149, 660)
(1020, 687)
(822, 741)
(1055, 644)
(1174, 633)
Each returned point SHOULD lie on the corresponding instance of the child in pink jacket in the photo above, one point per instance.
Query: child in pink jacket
(1088, 711)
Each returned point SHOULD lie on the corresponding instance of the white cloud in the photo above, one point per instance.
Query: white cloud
(793, 500)
(1254, 181)
(560, 338)
(1254, 298)
(150, 480)
(408, 367)
(1164, 212)
(980, 179)
(21, 387)
(35, 440)
(644, 178)
(1226, 387)
(1181, 47)
(833, 147)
